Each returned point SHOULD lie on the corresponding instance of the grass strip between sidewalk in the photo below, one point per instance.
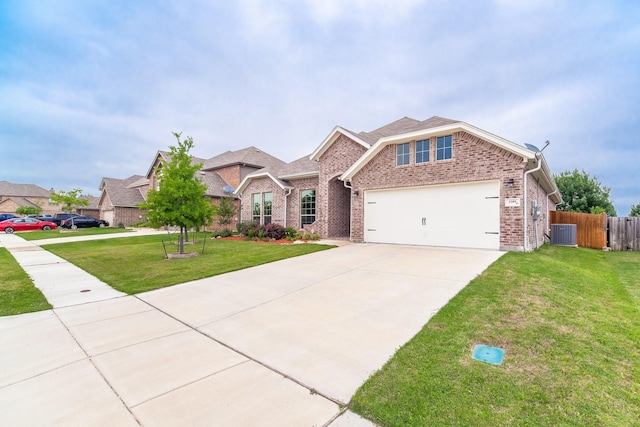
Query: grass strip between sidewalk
(569, 322)
(18, 295)
(137, 264)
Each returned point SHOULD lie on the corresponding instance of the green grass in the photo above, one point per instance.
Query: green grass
(61, 232)
(569, 322)
(17, 293)
(138, 264)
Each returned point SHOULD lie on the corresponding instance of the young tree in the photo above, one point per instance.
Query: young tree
(582, 193)
(181, 198)
(226, 211)
(69, 199)
(635, 210)
(28, 210)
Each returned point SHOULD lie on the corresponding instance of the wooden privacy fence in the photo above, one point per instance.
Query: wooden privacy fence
(624, 234)
(591, 229)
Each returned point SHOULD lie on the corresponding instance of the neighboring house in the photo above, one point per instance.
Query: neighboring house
(222, 174)
(120, 198)
(436, 182)
(92, 209)
(13, 196)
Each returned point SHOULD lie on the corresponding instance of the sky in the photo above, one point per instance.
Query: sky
(94, 89)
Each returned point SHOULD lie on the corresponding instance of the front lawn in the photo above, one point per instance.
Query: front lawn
(569, 322)
(17, 293)
(62, 232)
(137, 264)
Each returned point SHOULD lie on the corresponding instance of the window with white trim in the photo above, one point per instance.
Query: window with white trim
(307, 207)
(422, 151)
(262, 207)
(256, 206)
(444, 148)
(402, 154)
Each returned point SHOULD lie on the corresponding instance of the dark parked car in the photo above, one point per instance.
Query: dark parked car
(7, 216)
(83, 222)
(61, 216)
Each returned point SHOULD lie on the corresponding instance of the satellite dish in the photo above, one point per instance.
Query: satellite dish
(536, 149)
(227, 189)
(532, 148)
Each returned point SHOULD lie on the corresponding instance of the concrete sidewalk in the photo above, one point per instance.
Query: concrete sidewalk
(285, 343)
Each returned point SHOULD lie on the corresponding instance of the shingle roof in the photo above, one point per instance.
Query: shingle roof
(215, 184)
(404, 125)
(120, 193)
(251, 156)
(302, 166)
(22, 190)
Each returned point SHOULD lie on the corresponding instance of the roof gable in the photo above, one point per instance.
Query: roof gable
(333, 136)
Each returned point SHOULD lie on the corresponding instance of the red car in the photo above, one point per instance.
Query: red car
(25, 224)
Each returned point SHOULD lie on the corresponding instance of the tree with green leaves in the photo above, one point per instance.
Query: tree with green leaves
(181, 197)
(69, 199)
(29, 210)
(635, 210)
(583, 193)
(226, 211)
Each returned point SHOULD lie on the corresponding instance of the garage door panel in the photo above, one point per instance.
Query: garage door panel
(464, 215)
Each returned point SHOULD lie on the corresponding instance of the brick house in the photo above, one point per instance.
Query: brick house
(436, 182)
(13, 196)
(222, 174)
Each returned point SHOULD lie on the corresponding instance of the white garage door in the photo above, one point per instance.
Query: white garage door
(457, 215)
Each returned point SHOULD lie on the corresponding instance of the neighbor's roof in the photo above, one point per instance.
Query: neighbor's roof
(20, 201)
(22, 190)
(120, 191)
(250, 156)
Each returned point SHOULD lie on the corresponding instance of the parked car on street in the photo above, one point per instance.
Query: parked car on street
(25, 224)
(61, 216)
(83, 222)
(7, 216)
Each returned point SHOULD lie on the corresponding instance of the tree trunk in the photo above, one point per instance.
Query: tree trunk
(181, 241)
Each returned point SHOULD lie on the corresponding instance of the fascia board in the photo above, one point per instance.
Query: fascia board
(300, 175)
(512, 147)
(247, 179)
(330, 139)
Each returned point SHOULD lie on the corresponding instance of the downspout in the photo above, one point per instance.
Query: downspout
(347, 184)
(240, 198)
(286, 194)
(526, 205)
(548, 216)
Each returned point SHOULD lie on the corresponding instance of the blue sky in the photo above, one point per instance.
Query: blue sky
(94, 89)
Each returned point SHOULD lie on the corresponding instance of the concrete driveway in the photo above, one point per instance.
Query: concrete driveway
(287, 343)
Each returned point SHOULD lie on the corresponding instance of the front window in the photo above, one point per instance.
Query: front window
(444, 149)
(422, 151)
(256, 207)
(267, 207)
(307, 207)
(402, 154)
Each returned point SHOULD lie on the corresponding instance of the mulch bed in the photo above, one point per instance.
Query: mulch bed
(272, 242)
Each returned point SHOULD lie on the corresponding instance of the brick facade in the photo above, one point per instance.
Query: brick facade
(473, 160)
(332, 198)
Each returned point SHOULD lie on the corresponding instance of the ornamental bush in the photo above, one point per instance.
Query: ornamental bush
(274, 231)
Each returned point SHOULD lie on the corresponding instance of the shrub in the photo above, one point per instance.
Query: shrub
(251, 233)
(290, 233)
(306, 236)
(222, 233)
(243, 227)
(274, 231)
